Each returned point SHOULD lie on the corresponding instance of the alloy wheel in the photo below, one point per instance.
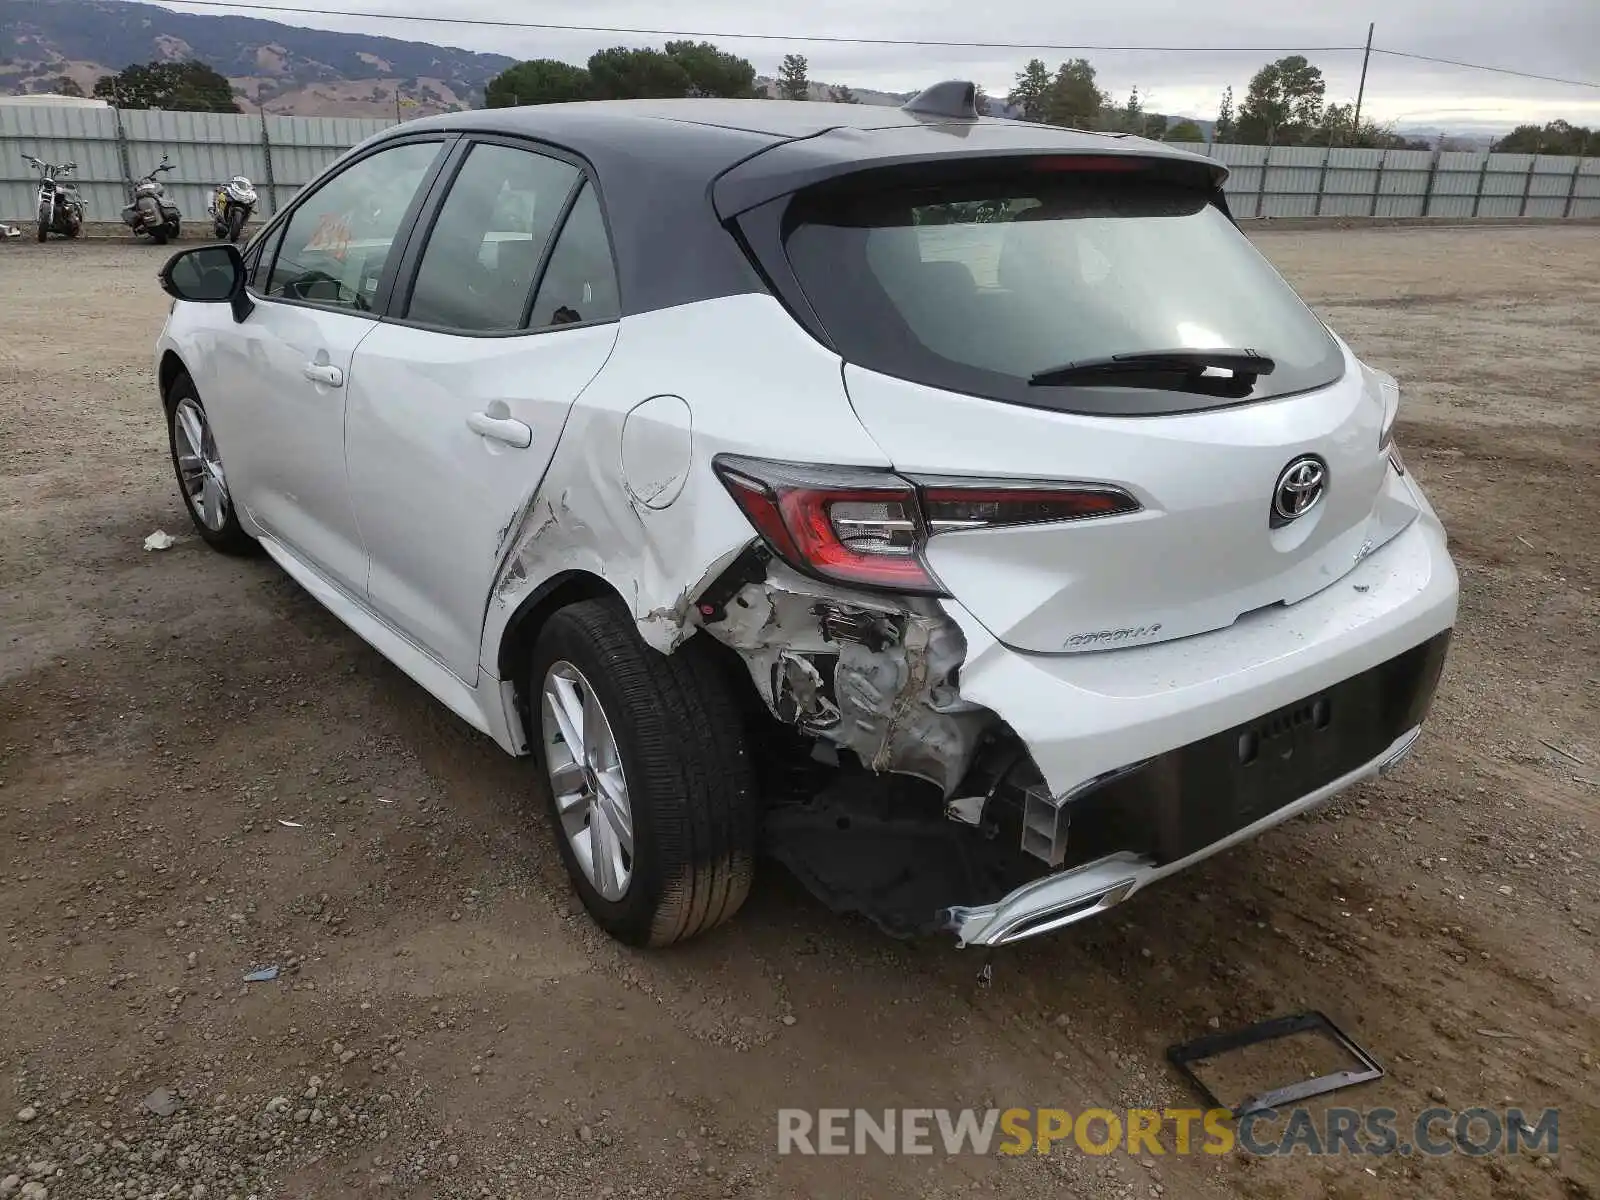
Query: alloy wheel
(200, 465)
(587, 780)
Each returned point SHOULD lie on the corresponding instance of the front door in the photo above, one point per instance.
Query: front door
(318, 303)
(456, 403)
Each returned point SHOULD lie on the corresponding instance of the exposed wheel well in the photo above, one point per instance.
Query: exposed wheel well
(573, 587)
(171, 367)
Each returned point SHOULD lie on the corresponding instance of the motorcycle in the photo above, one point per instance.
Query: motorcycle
(60, 207)
(231, 206)
(151, 213)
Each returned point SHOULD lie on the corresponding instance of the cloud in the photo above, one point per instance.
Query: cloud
(1547, 37)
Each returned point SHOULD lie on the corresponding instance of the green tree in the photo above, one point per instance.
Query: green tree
(980, 101)
(187, 86)
(66, 85)
(1283, 103)
(1155, 127)
(1184, 131)
(713, 72)
(540, 81)
(793, 81)
(1131, 119)
(1075, 100)
(842, 95)
(1031, 92)
(1558, 137)
(1227, 124)
(623, 74)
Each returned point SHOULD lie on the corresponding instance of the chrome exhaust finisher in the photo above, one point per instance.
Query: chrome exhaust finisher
(1056, 901)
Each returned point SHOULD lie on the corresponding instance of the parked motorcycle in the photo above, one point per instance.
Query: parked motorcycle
(231, 206)
(151, 213)
(60, 207)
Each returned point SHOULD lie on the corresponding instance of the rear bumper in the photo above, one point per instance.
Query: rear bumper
(1056, 901)
(1084, 716)
(1161, 756)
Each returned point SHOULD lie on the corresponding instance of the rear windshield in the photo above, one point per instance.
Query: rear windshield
(976, 286)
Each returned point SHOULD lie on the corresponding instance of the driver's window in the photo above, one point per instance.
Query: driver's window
(336, 244)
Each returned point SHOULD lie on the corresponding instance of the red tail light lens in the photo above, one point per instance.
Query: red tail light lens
(871, 527)
(852, 526)
(951, 507)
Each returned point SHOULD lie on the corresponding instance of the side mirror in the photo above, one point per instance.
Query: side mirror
(209, 275)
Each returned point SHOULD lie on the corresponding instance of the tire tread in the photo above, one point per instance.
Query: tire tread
(687, 740)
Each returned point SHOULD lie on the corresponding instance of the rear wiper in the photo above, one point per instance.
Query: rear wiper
(1185, 369)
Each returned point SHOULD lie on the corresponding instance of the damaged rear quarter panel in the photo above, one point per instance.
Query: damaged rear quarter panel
(754, 383)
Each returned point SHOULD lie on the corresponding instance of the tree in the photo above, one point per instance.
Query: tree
(1283, 103)
(1132, 116)
(980, 101)
(1185, 131)
(1075, 100)
(793, 83)
(541, 81)
(623, 74)
(1558, 137)
(842, 95)
(1031, 92)
(187, 86)
(66, 85)
(1224, 129)
(713, 72)
(1155, 127)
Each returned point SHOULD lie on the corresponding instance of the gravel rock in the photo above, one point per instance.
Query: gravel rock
(27, 1114)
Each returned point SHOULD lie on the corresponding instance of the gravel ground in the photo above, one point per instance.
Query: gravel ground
(446, 1023)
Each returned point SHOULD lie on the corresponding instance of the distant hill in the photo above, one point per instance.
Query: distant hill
(310, 72)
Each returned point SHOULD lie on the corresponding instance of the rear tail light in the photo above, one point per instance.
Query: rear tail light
(871, 527)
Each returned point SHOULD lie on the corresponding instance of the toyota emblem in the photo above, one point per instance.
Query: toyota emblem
(1299, 489)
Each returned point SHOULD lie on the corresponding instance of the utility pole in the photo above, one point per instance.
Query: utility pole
(1361, 90)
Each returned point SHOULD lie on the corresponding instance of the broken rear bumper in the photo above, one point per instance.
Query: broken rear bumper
(1084, 716)
(1059, 900)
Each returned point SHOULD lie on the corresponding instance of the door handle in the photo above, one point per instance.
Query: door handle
(501, 429)
(324, 373)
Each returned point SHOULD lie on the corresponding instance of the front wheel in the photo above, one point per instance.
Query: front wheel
(652, 794)
(202, 482)
(236, 218)
(44, 222)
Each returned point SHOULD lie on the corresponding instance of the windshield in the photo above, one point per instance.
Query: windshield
(979, 286)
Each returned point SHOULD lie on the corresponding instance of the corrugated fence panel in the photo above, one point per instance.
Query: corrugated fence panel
(87, 136)
(205, 148)
(1278, 181)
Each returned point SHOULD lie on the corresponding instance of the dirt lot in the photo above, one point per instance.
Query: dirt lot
(448, 1024)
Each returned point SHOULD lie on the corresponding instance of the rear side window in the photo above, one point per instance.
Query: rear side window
(978, 285)
(580, 284)
(478, 270)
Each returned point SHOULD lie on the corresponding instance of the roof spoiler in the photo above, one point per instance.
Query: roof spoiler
(957, 98)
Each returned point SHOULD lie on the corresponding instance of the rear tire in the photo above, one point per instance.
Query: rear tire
(688, 786)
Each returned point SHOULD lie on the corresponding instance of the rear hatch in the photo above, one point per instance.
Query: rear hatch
(957, 290)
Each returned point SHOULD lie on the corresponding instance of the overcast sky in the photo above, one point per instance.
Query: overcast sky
(1548, 37)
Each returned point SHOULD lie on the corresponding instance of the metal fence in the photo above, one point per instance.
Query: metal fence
(280, 154)
(113, 147)
(1314, 181)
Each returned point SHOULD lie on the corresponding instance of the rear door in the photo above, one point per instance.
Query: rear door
(317, 298)
(951, 296)
(458, 400)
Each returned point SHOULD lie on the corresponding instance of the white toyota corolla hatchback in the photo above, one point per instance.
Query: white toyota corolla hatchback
(959, 511)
